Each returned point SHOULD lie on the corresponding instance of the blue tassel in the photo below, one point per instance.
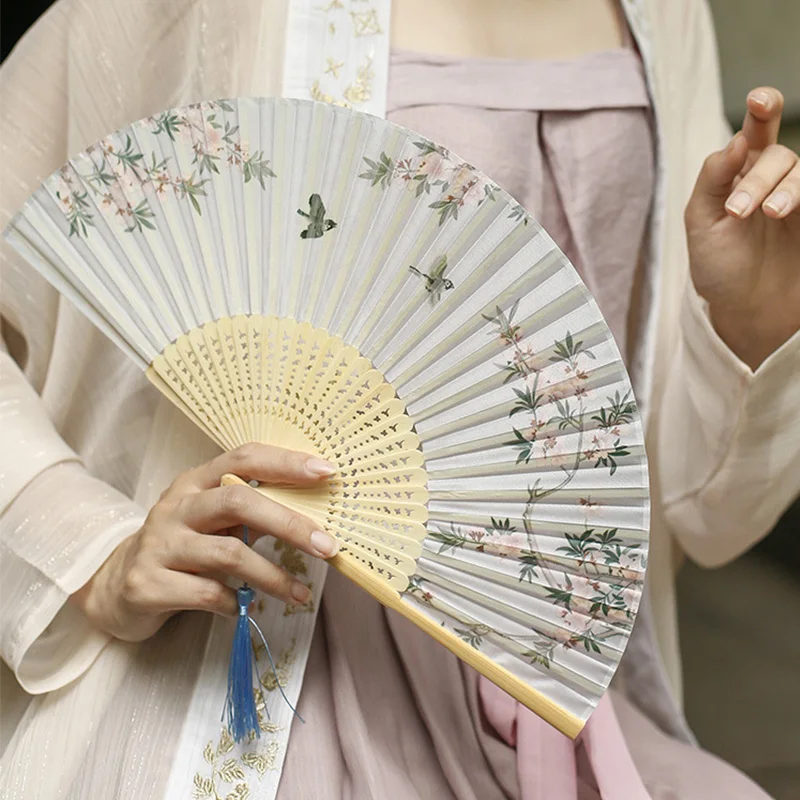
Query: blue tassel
(240, 704)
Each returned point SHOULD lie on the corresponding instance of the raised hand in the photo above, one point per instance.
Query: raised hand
(743, 228)
(180, 557)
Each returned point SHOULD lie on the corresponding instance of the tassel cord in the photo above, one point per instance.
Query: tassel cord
(240, 706)
(274, 669)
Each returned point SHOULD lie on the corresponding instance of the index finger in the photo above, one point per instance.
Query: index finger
(225, 507)
(762, 123)
(261, 462)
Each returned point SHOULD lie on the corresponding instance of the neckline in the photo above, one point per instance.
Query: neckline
(443, 59)
(604, 79)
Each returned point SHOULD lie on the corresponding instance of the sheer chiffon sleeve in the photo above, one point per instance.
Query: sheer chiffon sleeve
(55, 535)
(732, 465)
(57, 522)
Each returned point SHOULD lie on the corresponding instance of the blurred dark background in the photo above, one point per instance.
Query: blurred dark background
(16, 16)
(739, 625)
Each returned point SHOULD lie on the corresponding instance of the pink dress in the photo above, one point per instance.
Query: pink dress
(390, 714)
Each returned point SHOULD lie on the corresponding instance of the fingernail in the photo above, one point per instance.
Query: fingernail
(325, 545)
(300, 592)
(778, 202)
(317, 467)
(762, 98)
(738, 203)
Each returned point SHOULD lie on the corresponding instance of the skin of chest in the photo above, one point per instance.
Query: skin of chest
(514, 29)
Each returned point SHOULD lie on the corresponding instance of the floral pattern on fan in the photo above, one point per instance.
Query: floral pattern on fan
(568, 396)
(433, 170)
(588, 603)
(493, 479)
(595, 577)
(581, 599)
(121, 169)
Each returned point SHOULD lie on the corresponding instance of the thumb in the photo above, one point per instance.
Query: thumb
(715, 182)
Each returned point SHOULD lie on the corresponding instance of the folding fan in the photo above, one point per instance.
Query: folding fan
(323, 280)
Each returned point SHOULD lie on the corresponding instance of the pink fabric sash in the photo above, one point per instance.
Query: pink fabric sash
(546, 759)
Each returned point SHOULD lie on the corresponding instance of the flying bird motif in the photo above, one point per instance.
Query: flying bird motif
(435, 281)
(317, 224)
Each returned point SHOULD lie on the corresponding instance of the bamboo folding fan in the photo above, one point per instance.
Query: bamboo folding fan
(320, 279)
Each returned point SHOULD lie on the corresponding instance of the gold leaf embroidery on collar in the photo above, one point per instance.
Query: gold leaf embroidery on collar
(318, 95)
(334, 67)
(360, 90)
(366, 23)
(291, 558)
(322, 97)
(331, 85)
(231, 778)
(283, 669)
(263, 761)
(225, 742)
(230, 775)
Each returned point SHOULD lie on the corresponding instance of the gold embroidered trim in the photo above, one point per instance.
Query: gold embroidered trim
(322, 97)
(363, 23)
(333, 67)
(283, 669)
(366, 23)
(360, 90)
(291, 558)
(262, 755)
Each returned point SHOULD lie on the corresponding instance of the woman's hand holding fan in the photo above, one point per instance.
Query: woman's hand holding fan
(181, 557)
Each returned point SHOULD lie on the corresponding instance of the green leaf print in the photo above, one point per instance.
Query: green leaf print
(379, 172)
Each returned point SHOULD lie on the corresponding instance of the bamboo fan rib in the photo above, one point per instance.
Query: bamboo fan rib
(304, 275)
(254, 378)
